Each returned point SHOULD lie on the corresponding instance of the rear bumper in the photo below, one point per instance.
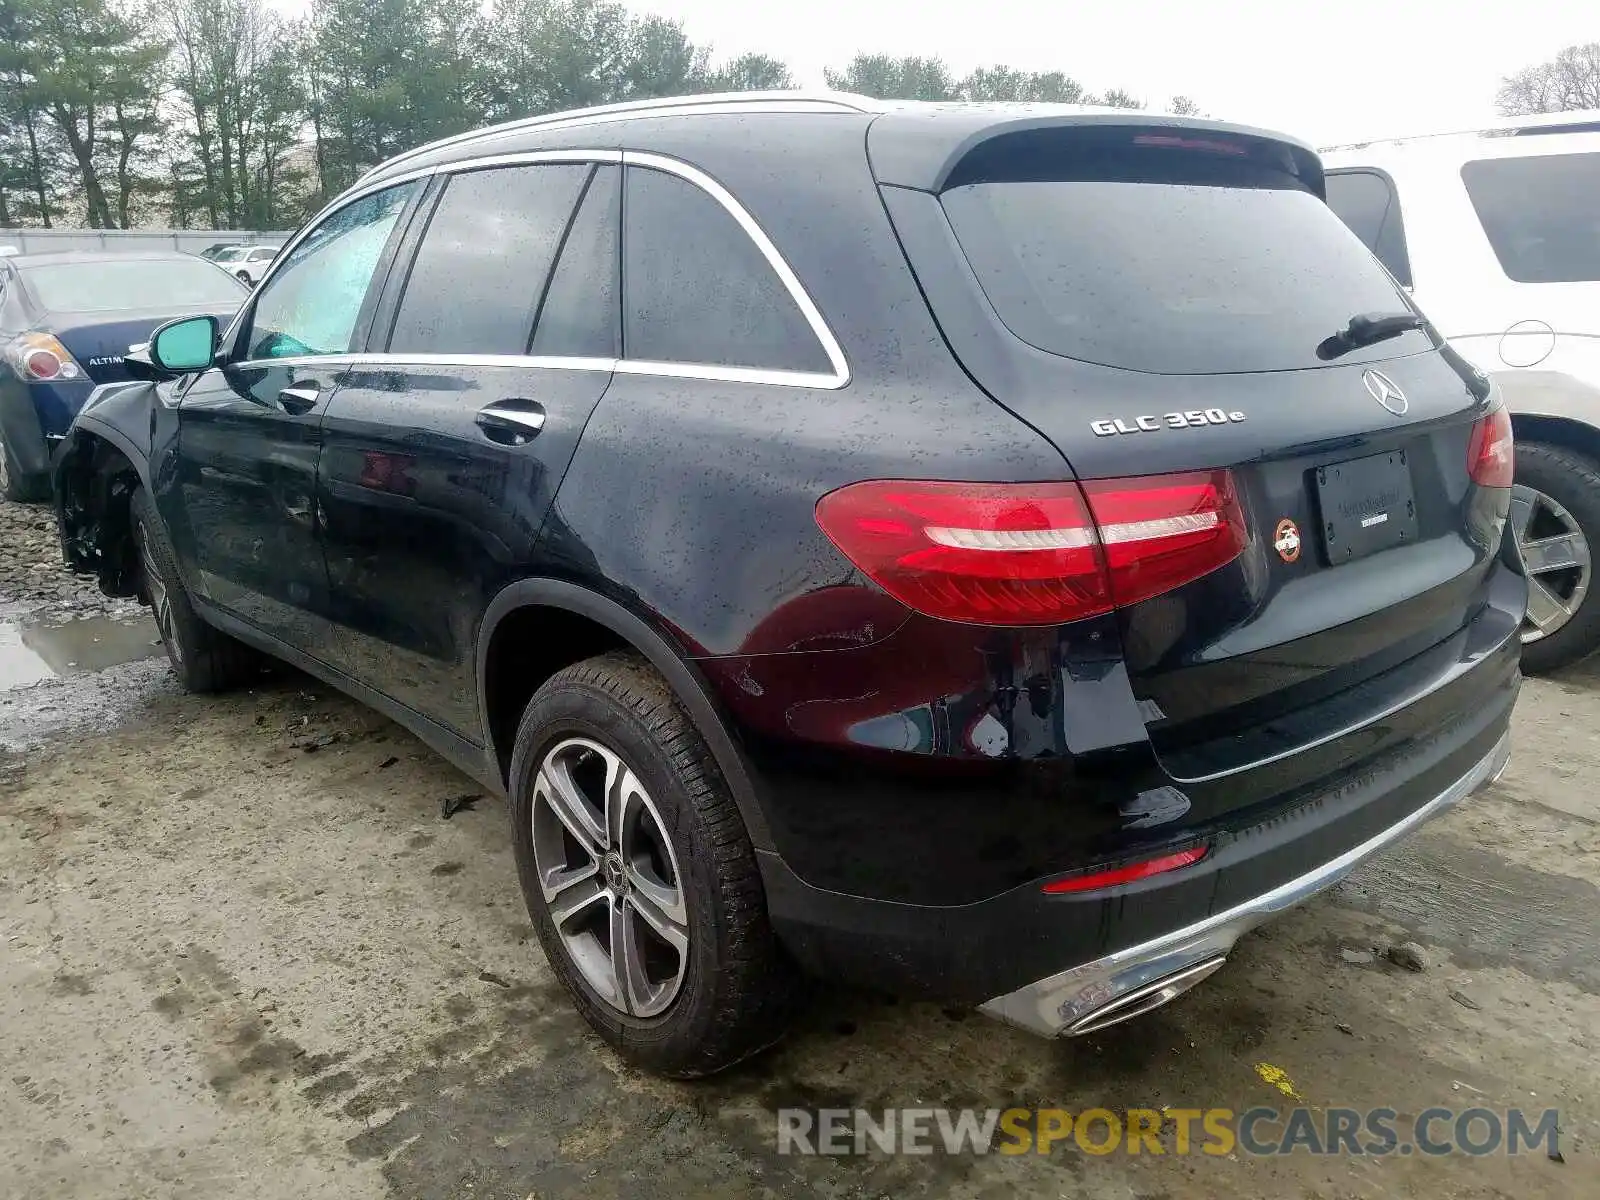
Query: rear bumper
(1025, 941)
(1134, 980)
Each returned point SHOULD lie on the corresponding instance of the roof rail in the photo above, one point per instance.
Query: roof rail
(1534, 124)
(843, 101)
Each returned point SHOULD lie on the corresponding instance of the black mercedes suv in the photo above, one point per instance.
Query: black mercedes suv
(992, 553)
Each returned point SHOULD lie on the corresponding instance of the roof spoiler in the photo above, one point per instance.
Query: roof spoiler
(921, 147)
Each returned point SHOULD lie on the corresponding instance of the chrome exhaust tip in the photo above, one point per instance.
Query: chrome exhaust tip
(1144, 999)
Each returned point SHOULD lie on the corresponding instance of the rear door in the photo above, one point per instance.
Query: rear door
(241, 500)
(1159, 303)
(444, 448)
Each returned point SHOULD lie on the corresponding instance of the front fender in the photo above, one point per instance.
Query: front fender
(103, 457)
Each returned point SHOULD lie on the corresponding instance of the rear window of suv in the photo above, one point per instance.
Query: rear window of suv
(1162, 259)
(1540, 214)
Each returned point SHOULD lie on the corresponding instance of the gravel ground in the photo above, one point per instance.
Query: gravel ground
(32, 578)
(245, 956)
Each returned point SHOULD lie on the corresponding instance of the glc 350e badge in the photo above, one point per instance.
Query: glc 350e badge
(1171, 420)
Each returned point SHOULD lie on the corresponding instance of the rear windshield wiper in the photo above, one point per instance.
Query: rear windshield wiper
(1366, 328)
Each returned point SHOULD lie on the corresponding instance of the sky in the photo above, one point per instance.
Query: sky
(1328, 73)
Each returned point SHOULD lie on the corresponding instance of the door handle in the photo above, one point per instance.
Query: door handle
(301, 398)
(513, 422)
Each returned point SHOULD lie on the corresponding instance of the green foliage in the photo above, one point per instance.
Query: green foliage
(1034, 87)
(29, 154)
(890, 78)
(1116, 98)
(239, 118)
(751, 73)
(236, 84)
(83, 88)
(658, 60)
(557, 54)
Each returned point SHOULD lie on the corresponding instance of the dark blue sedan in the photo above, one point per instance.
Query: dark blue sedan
(66, 320)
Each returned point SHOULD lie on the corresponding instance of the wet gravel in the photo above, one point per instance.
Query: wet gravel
(32, 575)
(267, 944)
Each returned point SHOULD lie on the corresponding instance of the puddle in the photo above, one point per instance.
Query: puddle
(35, 649)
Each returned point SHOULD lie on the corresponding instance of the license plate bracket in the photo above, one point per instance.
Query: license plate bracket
(1366, 505)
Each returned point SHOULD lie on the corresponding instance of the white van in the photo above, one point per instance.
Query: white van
(1496, 232)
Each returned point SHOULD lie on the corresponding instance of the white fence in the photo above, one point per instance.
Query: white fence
(33, 241)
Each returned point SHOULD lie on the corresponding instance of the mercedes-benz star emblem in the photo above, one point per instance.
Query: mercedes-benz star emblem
(1385, 391)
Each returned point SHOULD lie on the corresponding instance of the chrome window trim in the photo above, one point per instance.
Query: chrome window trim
(837, 378)
(780, 265)
(755, 375)
(551, 362)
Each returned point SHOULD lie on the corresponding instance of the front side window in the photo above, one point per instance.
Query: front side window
(698, 291)
(1540, 215)
(1365, 201)
(477, 279)
(311, 304)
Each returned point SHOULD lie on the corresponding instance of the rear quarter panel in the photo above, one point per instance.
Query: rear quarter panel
(693, 500)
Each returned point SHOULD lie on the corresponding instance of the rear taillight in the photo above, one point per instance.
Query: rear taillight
(1162, 532)
(40, 357)
(1489, 450)
(1034, 553)
(1128, 874)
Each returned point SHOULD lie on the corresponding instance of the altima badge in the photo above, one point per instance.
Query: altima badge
(1286, 540)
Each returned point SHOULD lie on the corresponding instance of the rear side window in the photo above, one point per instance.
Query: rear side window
(580, 316)
(698, 291)
(479, 273)
(1366, 202)
(1162, 259)
(1540, 215)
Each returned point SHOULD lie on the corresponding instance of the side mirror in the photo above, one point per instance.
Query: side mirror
(138, 365)
(184, 346)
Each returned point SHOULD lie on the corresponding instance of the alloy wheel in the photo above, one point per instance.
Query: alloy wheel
(610, 877)
(1556, 556)
(160, 599)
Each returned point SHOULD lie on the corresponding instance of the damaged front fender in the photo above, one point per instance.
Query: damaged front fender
(104, 457)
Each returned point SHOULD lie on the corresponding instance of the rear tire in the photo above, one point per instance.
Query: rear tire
(1571, 485)
(16, 485)
(204, 659)
(660, 864)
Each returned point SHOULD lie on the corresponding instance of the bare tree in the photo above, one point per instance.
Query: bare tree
(1569, 81)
